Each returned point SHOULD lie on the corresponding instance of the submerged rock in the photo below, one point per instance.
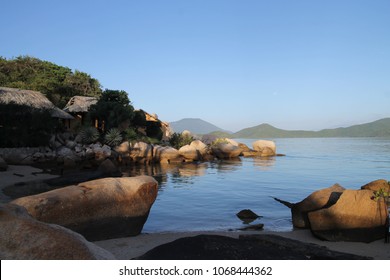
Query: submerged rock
(247, 214)
(253, 227)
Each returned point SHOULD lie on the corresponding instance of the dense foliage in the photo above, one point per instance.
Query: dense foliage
(24, 126)
(113, 110)
(58, 83)
(153, 130)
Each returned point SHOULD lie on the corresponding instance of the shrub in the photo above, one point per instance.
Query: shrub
(130, 135)
(219, 141)
(89, 135)
(113, 137)
(178, 140)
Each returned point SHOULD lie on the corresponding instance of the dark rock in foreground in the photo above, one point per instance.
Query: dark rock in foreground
(24, 238)
(250, 247)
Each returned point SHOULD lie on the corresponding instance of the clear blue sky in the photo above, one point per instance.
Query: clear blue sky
(294, 64)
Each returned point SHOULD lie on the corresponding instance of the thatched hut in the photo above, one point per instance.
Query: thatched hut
(33, 99)
(78, 107)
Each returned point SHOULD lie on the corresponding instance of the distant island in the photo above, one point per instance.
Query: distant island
(379, 128)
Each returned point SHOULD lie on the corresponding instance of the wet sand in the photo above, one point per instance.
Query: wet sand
(20, 174)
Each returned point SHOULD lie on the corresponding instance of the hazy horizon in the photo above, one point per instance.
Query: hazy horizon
(235, 131)
(301, 64)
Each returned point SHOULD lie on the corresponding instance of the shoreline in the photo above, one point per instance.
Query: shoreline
(133, 247)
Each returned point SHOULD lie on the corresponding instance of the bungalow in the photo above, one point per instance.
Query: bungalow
(33, 99)
(78, 107)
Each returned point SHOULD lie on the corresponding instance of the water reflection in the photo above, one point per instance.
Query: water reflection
(264, 163)
(227, 165)
(181, 174)
(193, 169)
(157, 171)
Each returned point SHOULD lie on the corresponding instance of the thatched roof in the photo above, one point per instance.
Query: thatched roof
(31, 98)
(80, 104)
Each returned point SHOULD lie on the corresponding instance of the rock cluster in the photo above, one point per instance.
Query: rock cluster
(64, 149)
(141, 152)
(337, 214)
(68, 151)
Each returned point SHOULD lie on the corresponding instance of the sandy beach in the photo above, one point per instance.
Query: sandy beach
(132, 247)
(20, 174)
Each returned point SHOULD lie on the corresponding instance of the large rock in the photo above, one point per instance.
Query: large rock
(123, 148)
(244, 147)
(317, 200)
(200, 146)
(166, 154)
(377, 185)
(226, 150)
(24, 238)
(100, 209)
(101, 153)
(141, 152)
(265, 148)
(247, 247)
(190, 153)
(231, 141)
(356, 216)
(3, 165)
(65, 152)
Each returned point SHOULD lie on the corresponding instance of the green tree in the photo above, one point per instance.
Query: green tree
(139, 119)
(58, 83)
(113, 110)
(153, 130)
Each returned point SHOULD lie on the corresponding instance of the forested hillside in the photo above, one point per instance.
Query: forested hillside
(58, 83)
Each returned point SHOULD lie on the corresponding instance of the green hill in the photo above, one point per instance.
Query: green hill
(196, 126)
(380, 128)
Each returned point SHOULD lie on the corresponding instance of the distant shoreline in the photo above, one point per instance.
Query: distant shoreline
(378, 128)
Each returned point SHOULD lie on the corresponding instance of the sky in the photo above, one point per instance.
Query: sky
(302, 64)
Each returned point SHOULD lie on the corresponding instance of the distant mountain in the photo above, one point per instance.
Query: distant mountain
(378, 128)
(196, 126)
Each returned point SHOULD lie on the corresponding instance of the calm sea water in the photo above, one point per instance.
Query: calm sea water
(207, 196)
